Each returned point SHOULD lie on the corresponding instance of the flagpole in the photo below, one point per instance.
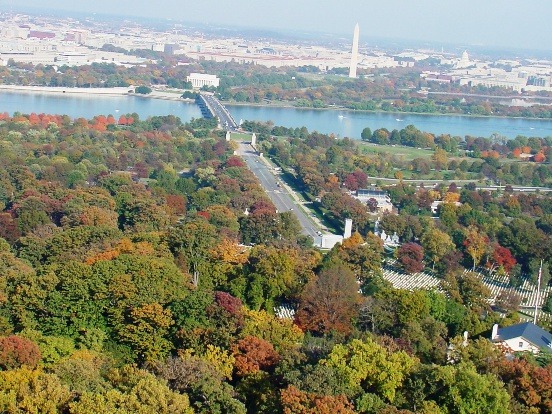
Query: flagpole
(538, 293)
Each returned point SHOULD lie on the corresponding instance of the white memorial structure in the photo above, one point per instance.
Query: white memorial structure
(354, 54)
(198, 80)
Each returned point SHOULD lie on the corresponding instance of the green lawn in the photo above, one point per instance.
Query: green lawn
(408, 153)
(236, 136)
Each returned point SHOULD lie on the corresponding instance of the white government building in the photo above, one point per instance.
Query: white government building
(198, 80)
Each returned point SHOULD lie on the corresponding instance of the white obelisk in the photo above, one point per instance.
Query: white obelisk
(354, 54)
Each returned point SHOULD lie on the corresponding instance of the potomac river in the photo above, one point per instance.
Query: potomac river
(341, 123)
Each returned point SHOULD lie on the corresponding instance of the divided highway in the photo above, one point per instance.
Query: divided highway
(276, 190)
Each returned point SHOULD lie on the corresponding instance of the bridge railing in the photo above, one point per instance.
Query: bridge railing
(205, 105)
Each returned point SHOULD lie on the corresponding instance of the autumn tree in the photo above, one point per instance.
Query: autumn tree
(501, 258)
(253, 354)
(133, 390)
(295, 401)
(283, 334)
(363, 256)
(529, 384)
(436, 244)
(439, 158)
(16, 351)
(147, 331)
(25, 390)
(476, 244)
(329, 301)
(410, 257)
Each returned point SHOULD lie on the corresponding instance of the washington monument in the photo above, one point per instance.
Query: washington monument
(354, 54)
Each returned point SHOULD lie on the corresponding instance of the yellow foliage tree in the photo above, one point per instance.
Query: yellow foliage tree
(451, 197)
(26, 391)
(283, 334)
(221, 359)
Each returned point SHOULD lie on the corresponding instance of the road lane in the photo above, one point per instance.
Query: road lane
(276, 190)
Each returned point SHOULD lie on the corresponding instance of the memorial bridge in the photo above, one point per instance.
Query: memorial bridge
(212, 108)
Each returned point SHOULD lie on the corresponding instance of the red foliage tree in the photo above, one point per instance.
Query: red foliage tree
(254, 354)
(539, 157)
(204, 214)
(176, 203)
(229, 303)
(361, 178)
(16, 351)
(351, 182)
(263, 207)
(8, 228)
(234, 162)
(410, 257)
(502, 256)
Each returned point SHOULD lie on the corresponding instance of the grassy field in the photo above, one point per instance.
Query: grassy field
(408, 153)
(236, 136)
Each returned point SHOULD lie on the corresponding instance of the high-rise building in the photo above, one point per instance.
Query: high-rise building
(354, 54)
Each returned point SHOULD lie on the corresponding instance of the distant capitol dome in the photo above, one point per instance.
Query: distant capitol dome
(464, 61)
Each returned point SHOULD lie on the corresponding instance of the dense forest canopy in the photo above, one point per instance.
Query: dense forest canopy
(132, 280)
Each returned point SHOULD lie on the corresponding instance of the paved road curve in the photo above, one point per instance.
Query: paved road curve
(276, 189)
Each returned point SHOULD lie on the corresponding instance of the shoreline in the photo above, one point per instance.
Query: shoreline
(116, 91)
(343, 109)
(170, 96)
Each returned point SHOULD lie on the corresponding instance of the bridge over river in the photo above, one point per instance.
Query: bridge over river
(212, 108)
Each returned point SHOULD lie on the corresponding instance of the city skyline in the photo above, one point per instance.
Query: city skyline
(494, 23)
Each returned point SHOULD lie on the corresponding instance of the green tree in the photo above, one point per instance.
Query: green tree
(366, 134)
(365, 365)
(193, 240)
(143, 90)
(460, 390)
(436, 244)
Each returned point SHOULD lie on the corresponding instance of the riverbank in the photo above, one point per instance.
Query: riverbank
(175, 95)
(62, 90)
(289, 105)
(170, 95)
(87, 103)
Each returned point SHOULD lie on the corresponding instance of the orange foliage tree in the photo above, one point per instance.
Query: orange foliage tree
(295, 401)
(254, 354)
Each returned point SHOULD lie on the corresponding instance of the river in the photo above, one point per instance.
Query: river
(341, 123)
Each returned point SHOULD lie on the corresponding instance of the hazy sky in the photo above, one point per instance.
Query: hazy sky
(515, 23)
